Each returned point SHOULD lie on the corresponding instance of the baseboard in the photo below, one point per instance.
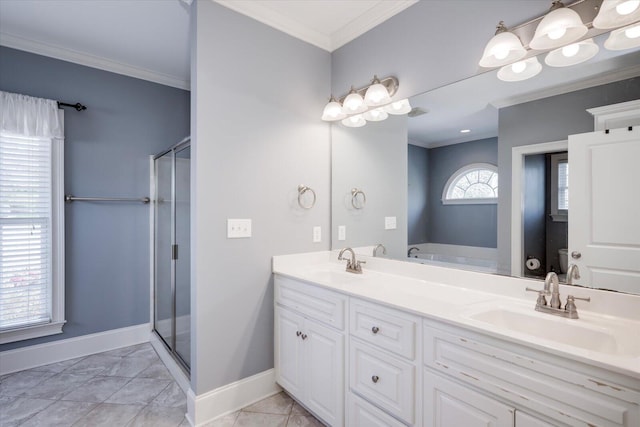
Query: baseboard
(174, 369)
(56, 351)
(231, 397)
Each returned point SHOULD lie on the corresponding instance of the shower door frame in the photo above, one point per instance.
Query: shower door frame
(171, 348)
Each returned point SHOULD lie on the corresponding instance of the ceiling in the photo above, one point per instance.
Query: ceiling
(150, 39)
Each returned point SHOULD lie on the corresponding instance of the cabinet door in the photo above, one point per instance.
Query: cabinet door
(363, 414)
(288, 350)
(324, 372)
(448, 404)
(526, 420)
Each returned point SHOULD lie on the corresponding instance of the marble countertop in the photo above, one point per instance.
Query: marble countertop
(461, 297)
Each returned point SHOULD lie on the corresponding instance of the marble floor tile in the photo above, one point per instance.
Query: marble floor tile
(298, 410)
(144, 350)
(19, 382)
(157, 416)
(139, 391)
(172, 397)
(109, 415)
(59, 414)
(58, 367)
(277, 404)
(127, 367)
(225, 421)
(97, 389)
(57, 386)
(156, 370)
(15, 410)
(303, 421)
(255, 419)
(95, 364)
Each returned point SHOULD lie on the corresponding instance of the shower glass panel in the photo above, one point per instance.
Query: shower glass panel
(172, 279)
(163, 237)
(183, 261)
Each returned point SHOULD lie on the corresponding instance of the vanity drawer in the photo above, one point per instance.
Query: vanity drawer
(386, 381)
(363, 414)
(311, 301)
(387, 328)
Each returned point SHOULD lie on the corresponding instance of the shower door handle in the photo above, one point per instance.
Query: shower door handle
(174, 252)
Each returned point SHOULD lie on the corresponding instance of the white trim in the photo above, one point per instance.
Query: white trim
(615, 115)
(56, 351)
(101, 63)
(517, 195)
(557, 215)
(478, 252)
(463, 171)
(231, 397)
(174, 369)
(31, 331)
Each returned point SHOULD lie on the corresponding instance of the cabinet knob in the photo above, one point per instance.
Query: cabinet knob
(298, 333)
(304, 336)
(375, 378)
(375, 329)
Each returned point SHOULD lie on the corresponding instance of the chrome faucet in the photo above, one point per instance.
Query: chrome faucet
(411, 249)
(572, 273)
(353, 266)
(552, 287)
(375, 250)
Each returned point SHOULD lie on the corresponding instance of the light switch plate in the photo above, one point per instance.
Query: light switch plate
(389, 222)
(342, 232)
(238, 228)
(317, 234)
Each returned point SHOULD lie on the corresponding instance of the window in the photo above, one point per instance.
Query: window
(476, 183)
(31, 219)
(559, 187)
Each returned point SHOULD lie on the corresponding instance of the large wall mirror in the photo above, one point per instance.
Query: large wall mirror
(436, 186)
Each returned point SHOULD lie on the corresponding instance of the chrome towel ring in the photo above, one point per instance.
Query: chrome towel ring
(302, 189)
(354, 198)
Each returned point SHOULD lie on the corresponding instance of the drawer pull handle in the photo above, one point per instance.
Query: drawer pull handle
(375, 329)
(298, 333)
(375, 378)
(304, 336)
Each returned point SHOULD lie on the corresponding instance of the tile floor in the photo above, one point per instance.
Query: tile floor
(124, 387)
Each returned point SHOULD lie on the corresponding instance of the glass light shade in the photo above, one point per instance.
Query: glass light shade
(398, 107)
(572, 54)
(504, 48)
(376, 115)
(356, 121)
(624, 38)
(521, 70)
(377, 95)
(617, 13)
(354, 103)
(559, 27)
(333, 111)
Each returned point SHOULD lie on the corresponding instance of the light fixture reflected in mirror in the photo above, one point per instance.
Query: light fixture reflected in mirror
(559, 27)
(521, 70)
(572, 54)
(398, 107)
(354, 121)
(376, 115)
(504, 48)
(617, 13)
(624, 38)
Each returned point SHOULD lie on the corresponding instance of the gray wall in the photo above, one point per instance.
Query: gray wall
(372, 158)
(546, 120)
(107, 150)
(418, 193)
(257, 135)
(468, 225)
(536, 192)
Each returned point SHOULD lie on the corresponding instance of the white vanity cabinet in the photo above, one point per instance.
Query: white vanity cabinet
(309, 347)
(463, 366)
(383, 366)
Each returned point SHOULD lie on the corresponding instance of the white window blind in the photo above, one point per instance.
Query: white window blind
(25, 231)
(563, 185)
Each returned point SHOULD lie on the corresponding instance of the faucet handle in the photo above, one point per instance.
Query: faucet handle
(542, 301)
(358, 266)
(570, 307)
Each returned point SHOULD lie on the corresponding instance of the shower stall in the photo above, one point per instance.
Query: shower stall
(171, 245)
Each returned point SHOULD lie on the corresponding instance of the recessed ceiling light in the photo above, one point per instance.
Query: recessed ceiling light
(465, 131)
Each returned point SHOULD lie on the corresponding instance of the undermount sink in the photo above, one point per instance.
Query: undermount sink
(589, 334)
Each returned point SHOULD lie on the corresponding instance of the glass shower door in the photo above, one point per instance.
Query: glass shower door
(182, 258)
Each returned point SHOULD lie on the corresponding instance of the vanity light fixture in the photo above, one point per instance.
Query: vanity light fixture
(521, 70)
(572, 54)
(559, 27)
(624, 38)
(617, 13)
(370, 103)
(504, 48)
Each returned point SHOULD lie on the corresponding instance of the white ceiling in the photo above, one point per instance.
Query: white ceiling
(149, 39)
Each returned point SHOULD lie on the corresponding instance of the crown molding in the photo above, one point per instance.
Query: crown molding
(368, 20)
(610, 77)
(81, 58)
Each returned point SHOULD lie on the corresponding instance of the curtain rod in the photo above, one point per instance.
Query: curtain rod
(77, 105)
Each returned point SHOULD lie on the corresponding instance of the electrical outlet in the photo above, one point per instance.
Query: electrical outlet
(317, 234)
(342, 232)
(389, 222)
(238, 228)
